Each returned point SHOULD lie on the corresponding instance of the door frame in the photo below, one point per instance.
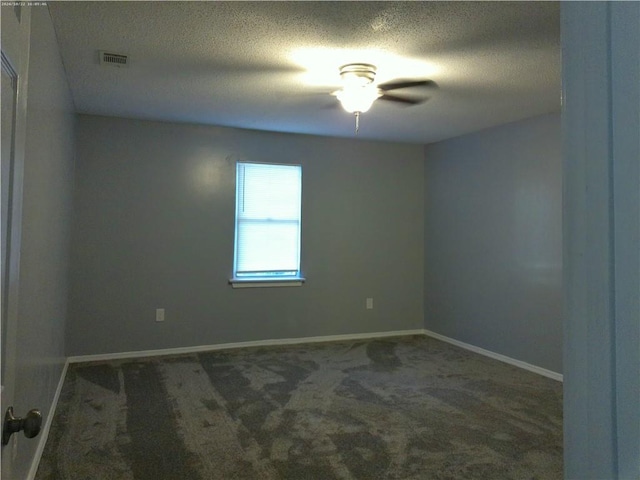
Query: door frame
(15, 51)
(7, 363)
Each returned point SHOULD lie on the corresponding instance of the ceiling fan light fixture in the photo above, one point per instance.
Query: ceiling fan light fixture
(357, 98)
(358, 92)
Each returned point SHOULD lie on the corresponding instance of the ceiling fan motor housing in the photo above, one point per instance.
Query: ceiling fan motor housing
(359, 73)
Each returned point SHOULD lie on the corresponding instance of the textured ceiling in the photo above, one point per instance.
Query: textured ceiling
(272, 65)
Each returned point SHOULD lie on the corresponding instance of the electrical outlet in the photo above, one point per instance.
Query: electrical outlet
(159, 314)
(369, 303)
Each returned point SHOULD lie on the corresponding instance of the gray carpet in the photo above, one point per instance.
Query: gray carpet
(396, 408)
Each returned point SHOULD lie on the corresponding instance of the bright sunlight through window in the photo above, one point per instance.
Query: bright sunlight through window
(268, 215)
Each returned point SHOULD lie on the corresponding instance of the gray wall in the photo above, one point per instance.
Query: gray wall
(155, 229)
(47, 140)
(493, 240)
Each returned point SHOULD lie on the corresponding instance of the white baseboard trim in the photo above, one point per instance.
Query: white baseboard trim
(497, 356)
(301, 340)
(44, 433)
(227, 346)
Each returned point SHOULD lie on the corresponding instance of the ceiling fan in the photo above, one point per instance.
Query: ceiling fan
(359, 91)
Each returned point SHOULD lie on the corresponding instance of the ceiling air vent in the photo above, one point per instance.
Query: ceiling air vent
(113, 59)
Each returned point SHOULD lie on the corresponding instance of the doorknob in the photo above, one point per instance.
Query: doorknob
(30, 424)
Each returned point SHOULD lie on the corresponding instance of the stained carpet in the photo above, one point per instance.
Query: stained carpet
(397, 408)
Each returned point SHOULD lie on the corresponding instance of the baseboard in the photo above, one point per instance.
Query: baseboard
(227, 346)
(44, 433)
(497, 356)
(317, 339)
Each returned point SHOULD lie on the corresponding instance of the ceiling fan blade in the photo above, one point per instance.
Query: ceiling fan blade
(406, 100)
(331, 106)
(405, 84)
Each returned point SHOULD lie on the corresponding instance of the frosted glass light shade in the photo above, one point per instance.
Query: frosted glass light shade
(358, 98)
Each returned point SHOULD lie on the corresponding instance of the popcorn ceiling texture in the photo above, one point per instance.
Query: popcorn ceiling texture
(230, 63)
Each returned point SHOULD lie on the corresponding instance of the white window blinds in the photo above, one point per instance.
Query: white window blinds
(268, 207)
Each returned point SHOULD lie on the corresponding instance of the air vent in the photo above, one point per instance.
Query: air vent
(113, 59)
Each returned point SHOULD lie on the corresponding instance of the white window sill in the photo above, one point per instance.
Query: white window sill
(266, 282)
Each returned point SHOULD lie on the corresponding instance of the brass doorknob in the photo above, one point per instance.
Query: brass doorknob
(31, 424)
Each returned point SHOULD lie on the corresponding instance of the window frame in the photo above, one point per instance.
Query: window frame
(269, 280)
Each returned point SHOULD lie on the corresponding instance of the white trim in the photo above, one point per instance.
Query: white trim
(327, 338)
(44, 433)
(264, 282)
(497, 356)
(256, 343)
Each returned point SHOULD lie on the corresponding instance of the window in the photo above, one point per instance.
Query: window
(268, 208)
